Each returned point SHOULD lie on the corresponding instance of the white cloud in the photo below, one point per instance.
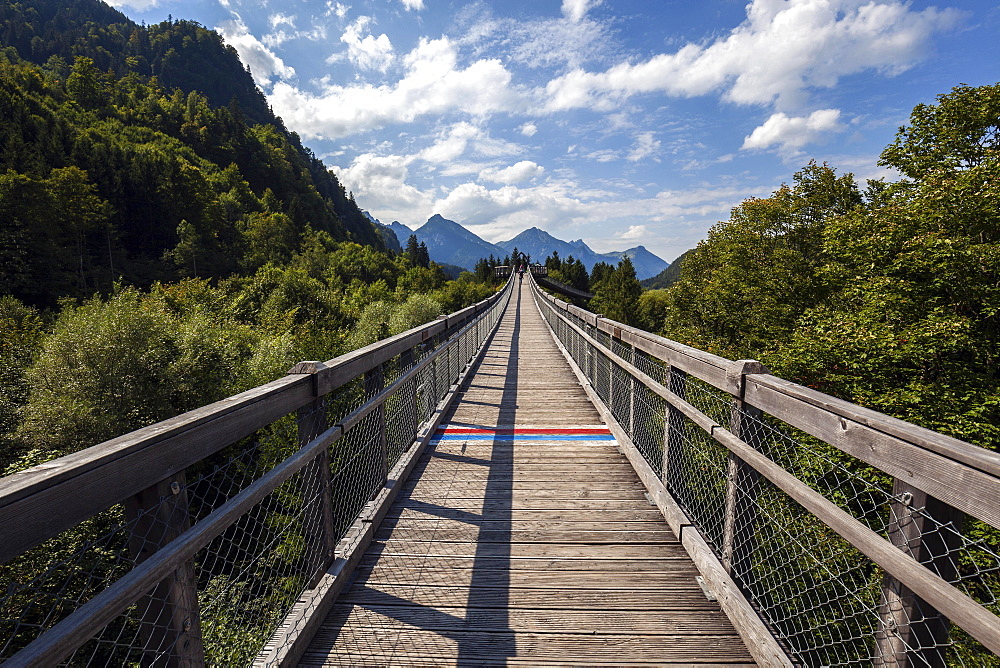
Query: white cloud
(510, 209)
(462, 137)
(522, 171)
(264, 64)
(381, 183)
(413, 4)
(138, 5)
(279, 19)
(790, 133)
(604, 155)
(433, 84)
(537, 42)
(451, 145)
(529, 129)
(784, 48)
(575, 10)
(336, 8)
(645, 146)
(633, 233)
(368, 52)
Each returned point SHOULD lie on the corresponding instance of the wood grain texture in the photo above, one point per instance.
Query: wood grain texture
(534, 551)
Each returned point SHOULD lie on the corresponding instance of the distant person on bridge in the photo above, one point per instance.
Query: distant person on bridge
(520, 273)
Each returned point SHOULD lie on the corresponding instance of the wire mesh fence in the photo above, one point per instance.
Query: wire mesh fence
(206, 565)
(826, 600)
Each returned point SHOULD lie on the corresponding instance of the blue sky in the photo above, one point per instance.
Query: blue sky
(622, 122)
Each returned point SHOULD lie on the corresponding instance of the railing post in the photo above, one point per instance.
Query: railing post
(317, 519)
(910, 631)
(740, 519)
(170, 627)
(673, 437)
(375, 383)
(631, 396)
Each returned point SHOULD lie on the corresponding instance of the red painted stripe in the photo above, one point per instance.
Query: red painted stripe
(504, 432)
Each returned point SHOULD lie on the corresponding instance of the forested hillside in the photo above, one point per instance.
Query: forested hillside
(164, 240)
(887, 296)
(145, 153)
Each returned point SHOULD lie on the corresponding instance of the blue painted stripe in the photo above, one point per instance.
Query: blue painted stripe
(524, 437)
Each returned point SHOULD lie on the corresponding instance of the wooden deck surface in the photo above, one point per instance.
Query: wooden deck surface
(529, 548)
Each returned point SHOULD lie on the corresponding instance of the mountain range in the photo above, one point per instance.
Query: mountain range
(449, 242)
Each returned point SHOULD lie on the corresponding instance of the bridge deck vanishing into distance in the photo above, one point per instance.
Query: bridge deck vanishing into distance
(524, 537)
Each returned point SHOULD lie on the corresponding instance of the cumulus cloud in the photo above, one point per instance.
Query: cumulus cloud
(381, 182)
(790, 133)
(509, 209)
(264, 64)
(433, 84)
(782, 49)
(522, 171)
(529, 129)
(368, 52)
(413, 4)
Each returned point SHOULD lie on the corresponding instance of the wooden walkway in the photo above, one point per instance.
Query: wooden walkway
(524, 538)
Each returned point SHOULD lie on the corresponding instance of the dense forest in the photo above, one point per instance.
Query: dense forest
(165, 241)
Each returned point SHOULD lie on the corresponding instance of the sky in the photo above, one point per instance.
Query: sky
(621, 122)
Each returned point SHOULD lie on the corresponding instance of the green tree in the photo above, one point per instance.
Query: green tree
(742, 290)
(85, 84)
(617, 295)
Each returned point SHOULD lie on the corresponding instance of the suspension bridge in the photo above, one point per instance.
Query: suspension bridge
(518, 483)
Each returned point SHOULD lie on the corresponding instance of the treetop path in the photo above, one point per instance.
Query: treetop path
(521, 482)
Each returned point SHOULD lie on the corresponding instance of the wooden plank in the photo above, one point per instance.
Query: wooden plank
(512, 598)
(673, 581)
(442, 523)
(392, 560)
(381, 642)
(584, 551)
(612, 622)
(628, 514)
(537, 536)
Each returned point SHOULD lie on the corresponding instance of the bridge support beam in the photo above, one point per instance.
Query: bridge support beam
(317, 520)
(740, 515)
(911, 632)
(170, 624)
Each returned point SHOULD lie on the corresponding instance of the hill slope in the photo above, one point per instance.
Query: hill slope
(199, 180)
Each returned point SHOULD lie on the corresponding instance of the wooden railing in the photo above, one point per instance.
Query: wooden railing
(833, 534)
(143, 548)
